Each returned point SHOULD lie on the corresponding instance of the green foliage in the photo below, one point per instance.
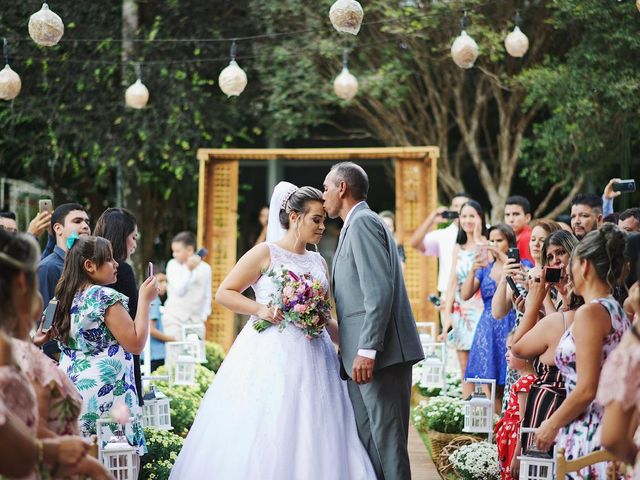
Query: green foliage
(163, 448)
(184, 407)
(442, 414)
(204, 377)
(215, 356)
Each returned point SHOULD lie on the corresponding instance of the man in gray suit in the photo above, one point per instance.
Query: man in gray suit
(379, 341)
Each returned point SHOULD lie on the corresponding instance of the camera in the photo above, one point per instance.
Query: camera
(552, 274)
(449, 214)
(624, 186)
(515, 254)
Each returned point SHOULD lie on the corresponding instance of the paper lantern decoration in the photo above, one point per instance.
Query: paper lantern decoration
(345, 85)
(46, 27)
(516, 43)
(232, 80)
(346, 16)
(137, 95)
(10, 83)
(464, 50)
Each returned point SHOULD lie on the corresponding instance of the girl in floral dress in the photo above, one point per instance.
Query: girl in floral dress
(507, 429)
(596, 268)
(97, 336)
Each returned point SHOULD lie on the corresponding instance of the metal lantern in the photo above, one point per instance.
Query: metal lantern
(478, 411)
(183, 371)
(346, 16)
(534, 464)
(464, 50)
(156, 411)
(516, 43)
(118, 457)
(434, 367)
(46, 27)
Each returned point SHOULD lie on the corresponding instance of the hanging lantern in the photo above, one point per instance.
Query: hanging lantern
(232, 80)
(137, 95)
(534, 464)
(478, 412)
(10, 83)
(517, 42)
(45, 27)
(346, 16)
(156, 411)
(464, 50)
(345, 85)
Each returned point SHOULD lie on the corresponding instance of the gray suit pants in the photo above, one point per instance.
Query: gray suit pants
(381, 410)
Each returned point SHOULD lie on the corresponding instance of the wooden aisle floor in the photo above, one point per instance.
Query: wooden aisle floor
(422, 468)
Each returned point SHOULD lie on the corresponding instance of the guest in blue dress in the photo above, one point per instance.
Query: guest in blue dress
(487, 355)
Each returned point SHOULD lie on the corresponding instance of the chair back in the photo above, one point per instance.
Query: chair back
(563, 466)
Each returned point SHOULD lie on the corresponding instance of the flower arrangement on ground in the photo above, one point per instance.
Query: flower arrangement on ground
(302, 300)
(163, 448)
(442, 414)
(476, 461)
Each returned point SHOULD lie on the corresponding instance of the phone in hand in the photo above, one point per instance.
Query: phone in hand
(202, 252)
(45, 205)
(150, 269)
(435, 299)
(450, 214)
(515, 254)
(513, 286)
(624, 186)
(49, 315)
(552, 274)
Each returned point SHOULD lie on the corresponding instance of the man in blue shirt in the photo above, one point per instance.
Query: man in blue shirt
(66, 219)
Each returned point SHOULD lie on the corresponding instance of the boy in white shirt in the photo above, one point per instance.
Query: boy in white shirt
(188, 287)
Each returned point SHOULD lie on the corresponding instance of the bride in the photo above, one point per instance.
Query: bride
(277, 408)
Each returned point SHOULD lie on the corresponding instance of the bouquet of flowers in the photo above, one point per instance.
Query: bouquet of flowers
(302, 300)
(442, 414)
(477, 461)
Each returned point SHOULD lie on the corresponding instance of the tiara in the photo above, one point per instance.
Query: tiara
(287, 197)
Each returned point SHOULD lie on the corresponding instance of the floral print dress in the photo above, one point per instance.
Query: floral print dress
(582, 436)
(100, 368)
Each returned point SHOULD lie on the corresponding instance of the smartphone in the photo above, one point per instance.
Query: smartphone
(45, 205)
(450, 214)
(149, 269)
(49, 315)
(552, 274)
(513, 286)
(203, 252)
(435, 299)
(515, 254)
(624, 186)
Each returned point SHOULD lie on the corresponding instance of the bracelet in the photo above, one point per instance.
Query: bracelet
(40, 449)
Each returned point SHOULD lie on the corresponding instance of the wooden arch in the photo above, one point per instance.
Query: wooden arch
(416, 195)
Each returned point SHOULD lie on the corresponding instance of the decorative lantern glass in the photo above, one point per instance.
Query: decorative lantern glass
(183, 371)
(118, 459)
(534, 464)
(433, 366)
(478, 412)
(156, 411)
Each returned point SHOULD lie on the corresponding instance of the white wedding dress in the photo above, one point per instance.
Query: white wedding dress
(277, 409)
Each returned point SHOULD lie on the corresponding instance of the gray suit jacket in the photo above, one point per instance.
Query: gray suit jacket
(371, 298)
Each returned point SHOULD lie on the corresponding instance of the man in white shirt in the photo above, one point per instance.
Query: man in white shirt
(440, 242)
(188, 287)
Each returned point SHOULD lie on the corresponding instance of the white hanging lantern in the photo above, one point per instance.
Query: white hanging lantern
(433, 367)
(183, 371)
(118, 457)
(464, 50)
(10, 83)
(534, 464)
(232, 80)
(516, 43)
(345, 85)
(46, 27)
(137, 95)
(478, 411)
(156, 411)
(346, 16)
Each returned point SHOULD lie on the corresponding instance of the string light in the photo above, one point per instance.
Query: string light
(346, 16)
(137, 95)
(10, 83)
(345, 85)
(464, 50)
(46, 27)
(517, 42)
(232, 80)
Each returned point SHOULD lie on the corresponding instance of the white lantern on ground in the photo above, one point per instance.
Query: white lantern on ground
(346, 16)
(118, 457)
(433, 366)
(199, 352)
(46, 27)
(156, 411)
(516, 43)
(183, 371)
(534, 464)
(478, 411)
(464, 50)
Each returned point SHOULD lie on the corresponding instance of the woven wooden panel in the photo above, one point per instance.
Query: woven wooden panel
(413, 201)
(218, 223)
